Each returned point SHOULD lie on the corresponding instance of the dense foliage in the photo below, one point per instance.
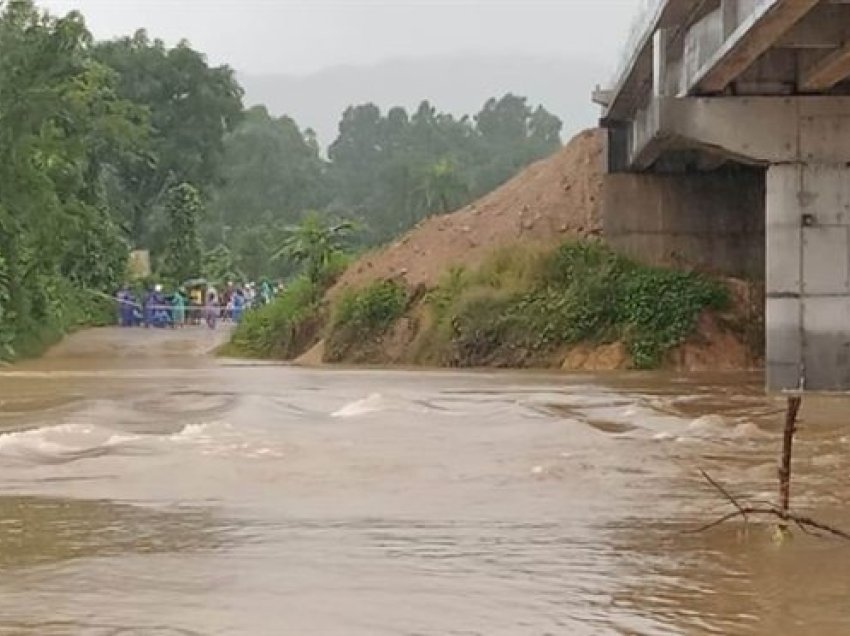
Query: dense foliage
(63, 128)
(190, 106)
(520, 307)
(283, 328)
(386, 171)
(362, 316)
(293, 320)
(316, 246)
(131, 144)
(392, 170)
(182, 255)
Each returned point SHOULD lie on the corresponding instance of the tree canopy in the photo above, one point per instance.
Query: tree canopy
(63, 127)
(190, 106)
(129, 143)
(392, 170)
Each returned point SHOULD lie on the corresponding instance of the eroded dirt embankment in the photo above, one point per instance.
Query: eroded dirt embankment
(552, 201)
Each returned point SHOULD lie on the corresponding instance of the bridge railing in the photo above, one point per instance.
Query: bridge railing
(645, 17)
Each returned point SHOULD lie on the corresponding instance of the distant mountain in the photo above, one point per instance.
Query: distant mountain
(457, 84)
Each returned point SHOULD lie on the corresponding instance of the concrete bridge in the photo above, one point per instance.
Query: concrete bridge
(750, 100)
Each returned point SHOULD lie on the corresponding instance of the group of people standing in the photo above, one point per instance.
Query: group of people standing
(200, 304)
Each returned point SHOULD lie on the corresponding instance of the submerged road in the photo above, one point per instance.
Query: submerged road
(148, 488)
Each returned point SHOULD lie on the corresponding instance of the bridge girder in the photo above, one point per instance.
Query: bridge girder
(749, 41)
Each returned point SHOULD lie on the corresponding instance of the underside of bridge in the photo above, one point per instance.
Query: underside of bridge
(763, 83)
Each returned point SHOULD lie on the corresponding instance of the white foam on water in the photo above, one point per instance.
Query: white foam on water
(199, 431)
(713, 426)
(374, 403)
(68, 442)
(63, 442)
(379, 403)
(747, 430)
(709, 425)
(641, 420)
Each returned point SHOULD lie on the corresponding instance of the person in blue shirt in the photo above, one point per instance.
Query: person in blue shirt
(238, 305)
(161, 310)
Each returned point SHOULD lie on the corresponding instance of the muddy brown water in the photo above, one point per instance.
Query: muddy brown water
(147, 488)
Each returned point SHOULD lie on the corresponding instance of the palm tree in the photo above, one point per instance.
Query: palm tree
(442, 186)
(313, 244)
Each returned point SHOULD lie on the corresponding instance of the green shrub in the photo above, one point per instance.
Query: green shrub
(281, 329)
(293, 321)
(363, 315)
(55, 307)
(658, 308)
(335, 266)
(371, 309)
(582, 291)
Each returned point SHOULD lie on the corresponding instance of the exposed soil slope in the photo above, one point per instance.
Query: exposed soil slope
(552, 200)
(549, 201)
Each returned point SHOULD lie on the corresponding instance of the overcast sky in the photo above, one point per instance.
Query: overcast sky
(303, 36)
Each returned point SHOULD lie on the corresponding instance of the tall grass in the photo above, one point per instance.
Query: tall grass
(363, 315)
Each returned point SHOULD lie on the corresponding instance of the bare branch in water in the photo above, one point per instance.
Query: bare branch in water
(806, 524)
(781, 512)
(724, 492)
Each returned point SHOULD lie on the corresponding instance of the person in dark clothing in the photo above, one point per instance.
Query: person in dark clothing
(125, 307)
(148, 307)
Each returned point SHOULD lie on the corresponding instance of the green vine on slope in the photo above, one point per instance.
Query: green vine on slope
(582, 291)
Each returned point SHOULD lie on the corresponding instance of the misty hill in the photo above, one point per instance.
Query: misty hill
(458, 84)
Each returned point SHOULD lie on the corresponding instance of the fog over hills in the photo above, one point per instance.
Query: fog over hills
(459, 84)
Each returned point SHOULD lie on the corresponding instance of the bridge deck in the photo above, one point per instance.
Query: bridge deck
(753, 47)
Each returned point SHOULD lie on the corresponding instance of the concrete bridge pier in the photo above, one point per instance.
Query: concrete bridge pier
(804, 143)
(808, 274)
(710, 83)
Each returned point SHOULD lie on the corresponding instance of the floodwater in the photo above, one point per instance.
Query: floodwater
(147, 488)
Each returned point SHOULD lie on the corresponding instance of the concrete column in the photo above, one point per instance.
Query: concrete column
(728, 17)
(805, 141)
(808, 276)
(659, 63)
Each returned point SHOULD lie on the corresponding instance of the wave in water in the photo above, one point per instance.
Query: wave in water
(374, 403)
(66, 443)
(441, 405)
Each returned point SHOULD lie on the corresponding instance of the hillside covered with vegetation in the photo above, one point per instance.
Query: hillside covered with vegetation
(520, 278)
(130, 144)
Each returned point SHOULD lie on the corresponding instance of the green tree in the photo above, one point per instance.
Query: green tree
(357, 157)
(392, 170)
(510, 135)
(253, 249)
(191, 107)
(62, 125)
(271, 172)
(442, 187)
(314, 244)
(220, 265)
(182, 257)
